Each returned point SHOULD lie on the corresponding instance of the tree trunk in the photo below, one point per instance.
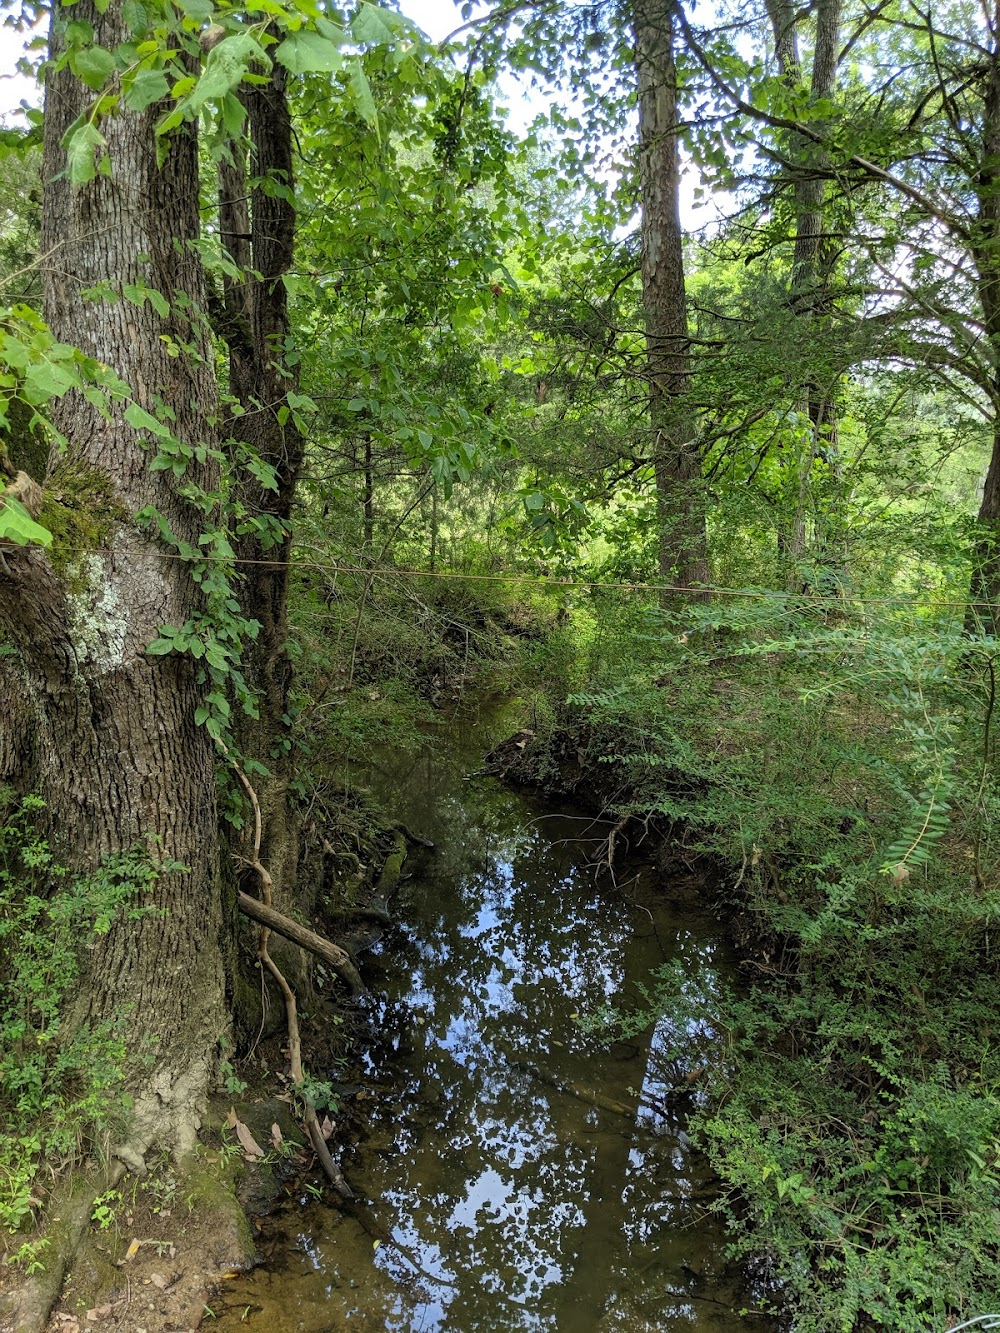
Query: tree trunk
(811, 267)
(683, 553)
(259, 234)
(985, 584)
(115, 750)
(368, 499)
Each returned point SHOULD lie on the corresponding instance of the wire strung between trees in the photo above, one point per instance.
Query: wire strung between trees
(553, 584)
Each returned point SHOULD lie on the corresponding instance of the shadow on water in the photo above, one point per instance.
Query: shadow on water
(522, 1171)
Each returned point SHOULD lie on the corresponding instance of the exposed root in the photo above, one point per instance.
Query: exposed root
(392, 871)
(309, 1116)
(410, 836)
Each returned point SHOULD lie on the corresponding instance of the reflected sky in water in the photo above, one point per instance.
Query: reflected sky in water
(522, 1170)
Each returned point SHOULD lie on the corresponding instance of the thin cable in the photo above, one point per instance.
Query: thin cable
(568, 585)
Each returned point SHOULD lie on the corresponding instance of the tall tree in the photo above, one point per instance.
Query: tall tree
(676, 456)
(114, 747)
(257, 226)
(809, 287)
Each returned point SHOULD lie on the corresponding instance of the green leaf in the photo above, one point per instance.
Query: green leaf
(373, 27)
(49, 379)
(225, 68)
(82, 144)
(17, 525)
(307, 52)
(135, 16)
(233, 115)
(93, 65)
(79, 33)
(148, 86)
(364, 101)
(199, 10)
(139, 419)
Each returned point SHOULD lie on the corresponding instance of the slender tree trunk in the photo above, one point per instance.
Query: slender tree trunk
(985, 583)
(809, 287)
(259, 234)
(676, 454)
(115, 751)
(368, 498)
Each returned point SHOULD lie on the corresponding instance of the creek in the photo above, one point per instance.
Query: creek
(522, 1171)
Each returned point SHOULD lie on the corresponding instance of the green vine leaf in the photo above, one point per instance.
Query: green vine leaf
(139, 419)
(93, 65)
(17, 525)
(83, 143)
(308, 52)
(148, 86)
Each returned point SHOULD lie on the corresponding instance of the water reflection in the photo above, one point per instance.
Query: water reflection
(523, 1172)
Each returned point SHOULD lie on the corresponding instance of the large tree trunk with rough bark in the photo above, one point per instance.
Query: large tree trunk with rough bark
(676, 453)
(258, 230)
(113, 745)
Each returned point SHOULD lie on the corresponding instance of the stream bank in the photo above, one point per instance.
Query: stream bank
(517, 1168)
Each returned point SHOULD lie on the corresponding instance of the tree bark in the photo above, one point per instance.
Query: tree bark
(115, 750)
(259, 234)
(683, 554)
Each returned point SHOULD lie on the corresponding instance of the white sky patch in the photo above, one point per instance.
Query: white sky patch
(14, 86)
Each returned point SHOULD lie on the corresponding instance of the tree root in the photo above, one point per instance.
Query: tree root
(309, 1116)
(74, 1203)
(339, 959)
(392, 870)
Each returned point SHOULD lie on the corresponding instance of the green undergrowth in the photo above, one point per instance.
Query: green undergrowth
(378, 657)
(842, 768)
(61, 1083)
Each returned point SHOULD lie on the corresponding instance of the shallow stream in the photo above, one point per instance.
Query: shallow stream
(522, 1171)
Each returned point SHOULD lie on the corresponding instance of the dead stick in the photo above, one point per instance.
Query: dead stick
(339, 959)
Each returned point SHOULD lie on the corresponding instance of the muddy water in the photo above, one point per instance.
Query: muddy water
(522, 1172)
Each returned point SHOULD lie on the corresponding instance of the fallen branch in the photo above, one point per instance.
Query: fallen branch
(339, 959)
(354, 913)
(410, 836)
(584, 1094)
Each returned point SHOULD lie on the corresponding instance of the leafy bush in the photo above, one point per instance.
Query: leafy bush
(843, 767)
